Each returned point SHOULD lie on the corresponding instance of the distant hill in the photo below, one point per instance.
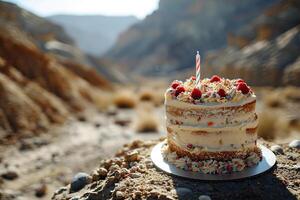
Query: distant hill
(166, 41)
(94, 34)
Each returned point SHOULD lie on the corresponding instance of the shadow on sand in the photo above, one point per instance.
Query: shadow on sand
(264, 186)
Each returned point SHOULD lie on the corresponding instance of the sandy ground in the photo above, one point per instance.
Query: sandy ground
(49, 161)
(34, 168)
(135, 177)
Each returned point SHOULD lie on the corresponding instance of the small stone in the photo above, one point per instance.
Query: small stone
(97, 125)
(95, 175)
(184, 193)
(10, 175)
(79, 181)
(61, 190)
(81, 118)
(133, 169)
(204, 197)
(295, 144)
(114, 168)
(277, 149)
(135, 175)
(120, 195)
(102, 172)
(132, 156)
(41, 190)
(122, 122)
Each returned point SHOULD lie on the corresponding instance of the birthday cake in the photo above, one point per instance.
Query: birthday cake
(211, 128)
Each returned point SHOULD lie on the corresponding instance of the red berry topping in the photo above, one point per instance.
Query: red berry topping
(222, 93)
(196, 93)
(215, 78)
(210, 123)
(179, 89)
(243, 87)
(175, 84)
(229, 168)
(240, 81)
(189, 146)
(193, 78)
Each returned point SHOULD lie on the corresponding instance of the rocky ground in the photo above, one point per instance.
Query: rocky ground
(34, 167)
(131, 175)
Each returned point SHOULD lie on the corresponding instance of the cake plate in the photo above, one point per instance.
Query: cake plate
(267, 162)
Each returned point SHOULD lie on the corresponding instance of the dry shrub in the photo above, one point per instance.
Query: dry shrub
(274, 99)
(125, 99)
(102, 100)
(156, 96)
(291, 93)
(273, 124)
(146, 121)
(146, 95)
(266, 127)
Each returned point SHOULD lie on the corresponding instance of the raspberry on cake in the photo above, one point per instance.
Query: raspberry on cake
(213, 128)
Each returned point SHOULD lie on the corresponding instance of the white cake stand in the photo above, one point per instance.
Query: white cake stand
(267, 162)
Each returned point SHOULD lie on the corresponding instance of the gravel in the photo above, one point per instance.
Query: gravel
(120, 182)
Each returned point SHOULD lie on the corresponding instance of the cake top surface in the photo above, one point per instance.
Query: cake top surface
(212, 90)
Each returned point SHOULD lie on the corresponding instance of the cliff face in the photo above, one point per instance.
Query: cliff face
(39, 88)
(265, 51)
(53, 40)
(166, 41)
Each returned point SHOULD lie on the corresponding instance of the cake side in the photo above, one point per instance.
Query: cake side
(216, 121)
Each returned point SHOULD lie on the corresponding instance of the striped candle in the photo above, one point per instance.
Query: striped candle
(198, 70)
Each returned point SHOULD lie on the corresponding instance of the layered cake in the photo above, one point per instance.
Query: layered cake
(211, 128)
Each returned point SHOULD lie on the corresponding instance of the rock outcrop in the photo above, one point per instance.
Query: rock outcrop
(292, 74)
(21, 112)
(166, 40)
(263, 51)
(38, 88)
(49, 38)
(260, 63)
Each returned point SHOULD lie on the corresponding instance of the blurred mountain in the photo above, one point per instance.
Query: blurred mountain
(166, 41)
(94, 34)
(265, 51)
(38, 86)
(52, 39)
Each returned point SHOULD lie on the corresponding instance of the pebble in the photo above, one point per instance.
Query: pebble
(10, 175)
(61, 190)
(41, 190)
(97, 125)
(295, 144)
(132, 156)
(204, 197)
(184, 193)
(79, 181)
(119, 195)
(277, 149)
(135, 175)
(102, 172)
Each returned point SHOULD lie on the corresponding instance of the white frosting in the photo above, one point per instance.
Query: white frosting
(227, 140)
(212, 123)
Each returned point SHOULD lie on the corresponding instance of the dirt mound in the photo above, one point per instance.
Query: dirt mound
(131, 175)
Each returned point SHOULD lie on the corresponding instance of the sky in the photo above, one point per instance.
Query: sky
(138, 8)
